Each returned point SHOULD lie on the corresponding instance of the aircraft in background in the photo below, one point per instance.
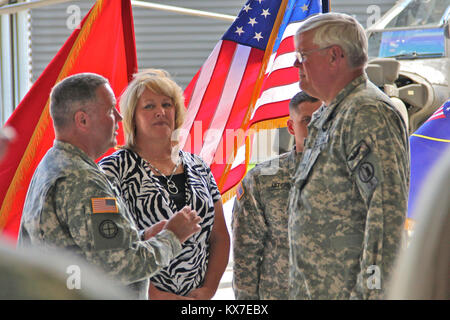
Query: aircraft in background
(409, 59)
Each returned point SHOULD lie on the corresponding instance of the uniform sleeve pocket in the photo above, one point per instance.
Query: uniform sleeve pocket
(358, 153)
(108, 231)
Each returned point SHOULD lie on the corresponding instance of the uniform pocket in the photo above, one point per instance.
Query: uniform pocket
(358, 153)
(108, 231)
(310, 157)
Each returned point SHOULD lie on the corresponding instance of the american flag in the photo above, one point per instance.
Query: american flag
(247, 78)
(441, 113)
(281, 78)
(428, 145)
(102, 205)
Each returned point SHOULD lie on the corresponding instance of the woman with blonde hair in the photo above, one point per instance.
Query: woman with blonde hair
(157, 180)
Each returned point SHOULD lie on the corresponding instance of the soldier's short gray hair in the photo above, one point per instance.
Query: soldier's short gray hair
(73, 94)
(342, 30)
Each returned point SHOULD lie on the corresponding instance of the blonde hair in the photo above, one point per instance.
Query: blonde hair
(342, 30)
(158, 81)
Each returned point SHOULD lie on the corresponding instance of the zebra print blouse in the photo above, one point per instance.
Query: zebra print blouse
(149, 202)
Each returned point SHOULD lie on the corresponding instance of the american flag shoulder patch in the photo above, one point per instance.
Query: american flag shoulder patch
(239, 191)
(101, 205)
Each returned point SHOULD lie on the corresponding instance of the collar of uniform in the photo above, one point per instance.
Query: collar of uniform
(338, 99)
(70, 148)
(347, 90)
(316, 114)
(294, 159)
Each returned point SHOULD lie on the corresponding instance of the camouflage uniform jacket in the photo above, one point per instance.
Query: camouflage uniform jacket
(260, 239)
(71, 204)
(349, 197)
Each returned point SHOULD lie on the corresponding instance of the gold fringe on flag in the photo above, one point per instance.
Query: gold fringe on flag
(409, 224)
(270, 124)
(262, 125)
(229, 194)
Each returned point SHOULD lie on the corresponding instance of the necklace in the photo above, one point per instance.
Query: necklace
(171, 186)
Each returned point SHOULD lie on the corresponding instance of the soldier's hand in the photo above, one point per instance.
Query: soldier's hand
(184, 223)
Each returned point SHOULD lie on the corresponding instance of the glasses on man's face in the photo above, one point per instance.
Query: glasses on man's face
(301, 56)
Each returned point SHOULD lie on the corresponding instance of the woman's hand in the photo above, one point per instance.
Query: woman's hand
(154, 229)
(202, 293)
(156, 294)
(184, 223)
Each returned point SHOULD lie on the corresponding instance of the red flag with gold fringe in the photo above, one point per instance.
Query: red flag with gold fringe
(90, 48)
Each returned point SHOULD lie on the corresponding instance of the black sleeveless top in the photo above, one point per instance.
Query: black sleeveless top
(180, 197)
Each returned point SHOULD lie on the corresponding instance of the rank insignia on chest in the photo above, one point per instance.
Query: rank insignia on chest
(102, 205)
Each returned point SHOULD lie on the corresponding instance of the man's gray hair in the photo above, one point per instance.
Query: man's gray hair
(342, 30)
(71, 94)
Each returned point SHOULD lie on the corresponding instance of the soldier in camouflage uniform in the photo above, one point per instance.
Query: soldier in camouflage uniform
(349, 196)
(260, 220)
(71, 204)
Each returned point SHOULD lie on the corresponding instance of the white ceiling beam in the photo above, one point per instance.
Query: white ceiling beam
(14, 8)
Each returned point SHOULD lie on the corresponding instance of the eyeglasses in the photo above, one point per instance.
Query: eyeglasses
(301, 56)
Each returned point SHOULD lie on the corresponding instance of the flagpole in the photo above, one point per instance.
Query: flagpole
(258, 84)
